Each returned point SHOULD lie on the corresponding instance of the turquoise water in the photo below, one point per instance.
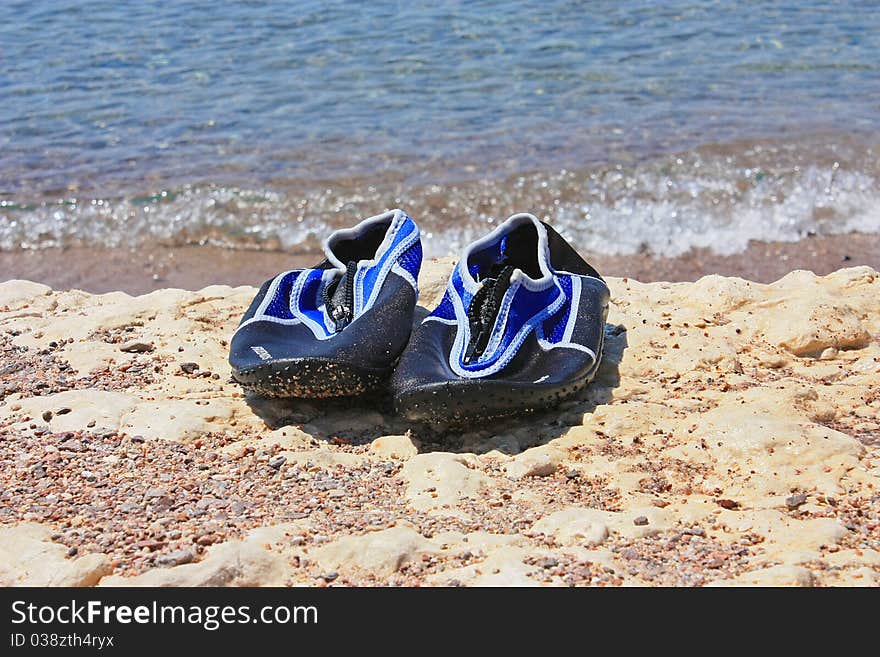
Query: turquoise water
(632, 125)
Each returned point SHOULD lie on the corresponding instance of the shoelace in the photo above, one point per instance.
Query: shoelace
(338, 296)
(484, 308)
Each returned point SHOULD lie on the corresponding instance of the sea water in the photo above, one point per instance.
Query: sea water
(633, 126)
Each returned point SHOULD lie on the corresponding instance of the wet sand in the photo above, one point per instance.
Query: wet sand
(138, 271)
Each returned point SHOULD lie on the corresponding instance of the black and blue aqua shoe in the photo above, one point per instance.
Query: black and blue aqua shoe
(337, 329)
(520, 327)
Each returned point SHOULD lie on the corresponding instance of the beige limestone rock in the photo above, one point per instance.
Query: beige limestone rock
(91, 355)
(395, 447)
(28, 557)
(16, 293)
(234, 563)
(322, 458)
(536, 462)
(383, 552)
(440, 479)
(504, 566)
(574, 526)
(181, 420)
(782, 575)
(83, 407)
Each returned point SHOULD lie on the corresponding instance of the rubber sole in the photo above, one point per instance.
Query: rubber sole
(309, 378)
(466, 400)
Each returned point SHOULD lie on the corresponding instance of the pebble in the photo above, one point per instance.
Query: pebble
(727, 504)
(177, 558)
(136, 347)
(795, 500)
(47, 416)
(189, 368)
(277, 461)
(640, 521)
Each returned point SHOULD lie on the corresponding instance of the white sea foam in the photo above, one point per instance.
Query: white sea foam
(664, 208)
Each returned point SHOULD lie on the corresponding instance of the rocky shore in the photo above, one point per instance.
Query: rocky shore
(732, 436)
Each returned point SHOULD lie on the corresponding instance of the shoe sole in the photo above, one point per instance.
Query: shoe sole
(464, 400)
(310, 378)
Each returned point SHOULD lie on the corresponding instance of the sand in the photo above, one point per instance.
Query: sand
(731, 437)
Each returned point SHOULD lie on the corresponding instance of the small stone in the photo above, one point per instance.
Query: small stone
(62, 411)
(795, 500)
(640, 521)
(88, 475)
(549, 563)
(277, 461)
(162, 503)
(715, 562)
(71, 445)
(47, 416)
(189, 368)
(177, 558)
(72, 551)
(537, 462)
(136, 347)
(727, 504)
(329, 577)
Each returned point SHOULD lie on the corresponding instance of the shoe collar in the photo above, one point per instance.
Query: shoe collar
(518, 276)
(395, 219)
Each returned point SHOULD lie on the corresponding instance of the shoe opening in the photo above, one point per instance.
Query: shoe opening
(363, 245)
(518, 249)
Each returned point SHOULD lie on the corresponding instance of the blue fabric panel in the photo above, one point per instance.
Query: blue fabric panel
(279, 306)
(309, 299)
(369, 278)
(554, 326)
(411, 260)
(445, 310)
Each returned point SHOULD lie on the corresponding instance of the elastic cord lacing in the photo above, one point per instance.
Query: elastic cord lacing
(484, 308)
(338, 296)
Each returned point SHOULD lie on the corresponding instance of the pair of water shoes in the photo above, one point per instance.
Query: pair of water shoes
(520, 326)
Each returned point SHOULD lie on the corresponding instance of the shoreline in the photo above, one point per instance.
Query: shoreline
(146, 269)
